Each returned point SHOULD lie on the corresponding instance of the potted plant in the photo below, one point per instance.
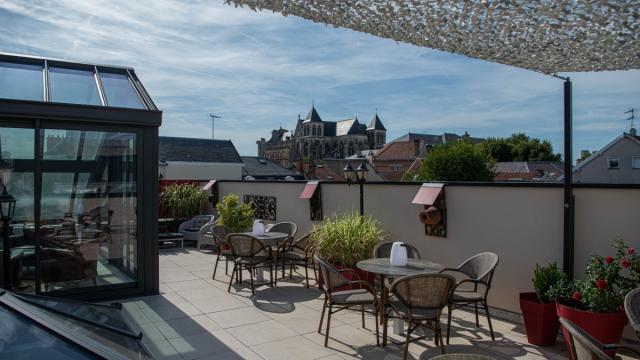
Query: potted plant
(181, 202)
(346, 239)
(539, 307)
(233, 214)
(595, 303)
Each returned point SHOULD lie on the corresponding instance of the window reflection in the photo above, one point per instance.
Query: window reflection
(119, 91)
(21, 81)
(73, 86)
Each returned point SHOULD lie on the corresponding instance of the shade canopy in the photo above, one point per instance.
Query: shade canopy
(544, 36)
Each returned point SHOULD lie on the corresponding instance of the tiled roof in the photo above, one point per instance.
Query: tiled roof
(313, 115)
(401, 150)
(261, 168)
(197, 150)
(529, 170)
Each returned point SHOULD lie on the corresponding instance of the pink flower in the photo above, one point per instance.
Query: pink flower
(601, 284)
(625, 263)
(630, 250)
(576, 296)
(608, 259)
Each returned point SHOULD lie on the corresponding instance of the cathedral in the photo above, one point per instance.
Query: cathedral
(316, 139)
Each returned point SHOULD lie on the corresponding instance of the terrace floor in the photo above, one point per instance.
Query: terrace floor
(195, 317)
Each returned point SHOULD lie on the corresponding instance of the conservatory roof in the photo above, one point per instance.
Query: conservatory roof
(58, 81)
(545, 36)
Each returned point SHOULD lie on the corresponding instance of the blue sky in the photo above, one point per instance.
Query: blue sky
(260, 70)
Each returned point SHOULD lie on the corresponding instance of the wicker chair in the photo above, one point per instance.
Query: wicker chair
(300, 253)
(383, 250)
(290, 229)
(222, 248)
(479, 271)
(632, 308)
(419, 300)
(361, 294)
(249, 253)
(585, 346)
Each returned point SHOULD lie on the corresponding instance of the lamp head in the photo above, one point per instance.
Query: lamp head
(348, 173)
(361, 172)
(7, 205)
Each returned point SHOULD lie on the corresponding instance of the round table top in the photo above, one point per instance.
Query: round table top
(382, 266)
(270, 238)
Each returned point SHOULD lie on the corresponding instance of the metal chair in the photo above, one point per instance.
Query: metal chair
(479, 271)
(632, 308)
(419, 300)
(585, 346)
(383, 250)
(290, 229)
(300, 253)
(249, 253)
(360, 294)
(222, 248)
(205, 237)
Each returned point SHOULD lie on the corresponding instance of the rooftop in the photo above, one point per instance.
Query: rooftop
(197, 150)
(261, 168)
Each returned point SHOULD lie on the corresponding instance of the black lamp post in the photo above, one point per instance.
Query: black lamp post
(7, 207)
(360, 175)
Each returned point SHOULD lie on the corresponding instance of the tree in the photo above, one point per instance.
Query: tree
(458, 161)
(520, 147)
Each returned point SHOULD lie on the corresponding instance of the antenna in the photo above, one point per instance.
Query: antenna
(631, 118)
(213, 124)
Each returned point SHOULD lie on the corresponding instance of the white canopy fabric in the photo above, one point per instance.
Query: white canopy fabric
(542, 35)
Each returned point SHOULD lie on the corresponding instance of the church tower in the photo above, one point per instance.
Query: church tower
(376, 133)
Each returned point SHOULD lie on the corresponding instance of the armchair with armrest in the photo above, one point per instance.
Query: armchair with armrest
(190, 229)
(585, 346)
(473, 290)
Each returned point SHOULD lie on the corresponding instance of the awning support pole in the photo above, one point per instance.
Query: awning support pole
(568, 243)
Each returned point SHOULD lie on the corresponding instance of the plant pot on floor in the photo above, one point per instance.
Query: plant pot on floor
(540, 320)
(605, 327)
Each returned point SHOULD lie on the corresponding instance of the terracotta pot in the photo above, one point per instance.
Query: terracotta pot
(605, 327)
(361, 275)
(540, 320)
(430, 216)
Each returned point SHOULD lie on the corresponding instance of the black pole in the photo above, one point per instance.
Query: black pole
(6, 254)
(361, 198)
(568, 243)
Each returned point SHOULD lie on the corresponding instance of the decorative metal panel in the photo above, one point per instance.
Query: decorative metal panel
(315, 205)
(439, 229)
(264, 207)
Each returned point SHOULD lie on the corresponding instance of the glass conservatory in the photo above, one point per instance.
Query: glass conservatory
(78, 152)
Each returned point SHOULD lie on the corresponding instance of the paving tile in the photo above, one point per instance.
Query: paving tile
(260, 333)
(199, 345)
(210, 305)
(291, 348)
(186, 326)
(237, 317)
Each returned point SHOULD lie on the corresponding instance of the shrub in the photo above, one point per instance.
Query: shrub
(235, 215)
(182, 200)
(545, 278)
(348, 238)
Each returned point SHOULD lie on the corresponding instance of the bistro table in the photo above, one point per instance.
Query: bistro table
(383, 268)
(269, 239)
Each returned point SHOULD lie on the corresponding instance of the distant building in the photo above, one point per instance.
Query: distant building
(316, 139)
(616, 163)
(198, 159)
(264, 169)
(402, 154)
(545, 171)
(333, 169)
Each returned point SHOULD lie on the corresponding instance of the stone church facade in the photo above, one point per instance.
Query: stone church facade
(316, 139)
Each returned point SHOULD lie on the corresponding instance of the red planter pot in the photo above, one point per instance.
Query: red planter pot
(540, 320)
(605, 327)
(361, 275)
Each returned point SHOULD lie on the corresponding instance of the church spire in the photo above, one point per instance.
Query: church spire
(313, 115)
(376, 123)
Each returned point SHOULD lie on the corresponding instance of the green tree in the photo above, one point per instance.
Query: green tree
(458, 161)
(520, 147)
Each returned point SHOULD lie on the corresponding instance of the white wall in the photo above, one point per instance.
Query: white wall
(523, 225)
(184, 170)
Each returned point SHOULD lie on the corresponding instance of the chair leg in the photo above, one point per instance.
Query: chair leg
(406, 343)
(251, 269)
(439, 336)
(326, 335)
(362, 310)
(226, 265)
(324, 307)
(486, 309)
(306, 272)
(375, 312)
(477, 319)
(450, 308)
(231, 278)
(215, 267)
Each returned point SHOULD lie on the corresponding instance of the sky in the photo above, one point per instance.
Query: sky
(259, 70)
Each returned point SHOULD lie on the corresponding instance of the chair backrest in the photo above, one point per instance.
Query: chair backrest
(632, 308)
(480, 266)
(583, 345)
(331, 277)
(424, 291)
(201, 220)
(220, 233)
(244, 245)
(284, 227)
(304, 242)
(383, 250)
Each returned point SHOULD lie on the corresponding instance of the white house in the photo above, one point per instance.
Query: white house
(616, 163)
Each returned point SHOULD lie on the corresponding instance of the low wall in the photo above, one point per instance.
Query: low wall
(522, 224)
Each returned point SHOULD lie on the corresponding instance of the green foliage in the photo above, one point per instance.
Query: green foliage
(546, 278)
(606, 282)
(520, 147)
(182, 200)
(458, 161)
(347, 239)
(235, 215)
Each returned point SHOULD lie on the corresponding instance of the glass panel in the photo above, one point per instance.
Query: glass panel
(88, 231)
(16, 172)
(21, 81)
(73, 86)
(119, 91)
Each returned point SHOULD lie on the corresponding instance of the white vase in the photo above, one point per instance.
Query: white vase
(398, 256)
(258, 227)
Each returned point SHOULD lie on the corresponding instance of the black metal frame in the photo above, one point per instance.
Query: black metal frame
(39, 115)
